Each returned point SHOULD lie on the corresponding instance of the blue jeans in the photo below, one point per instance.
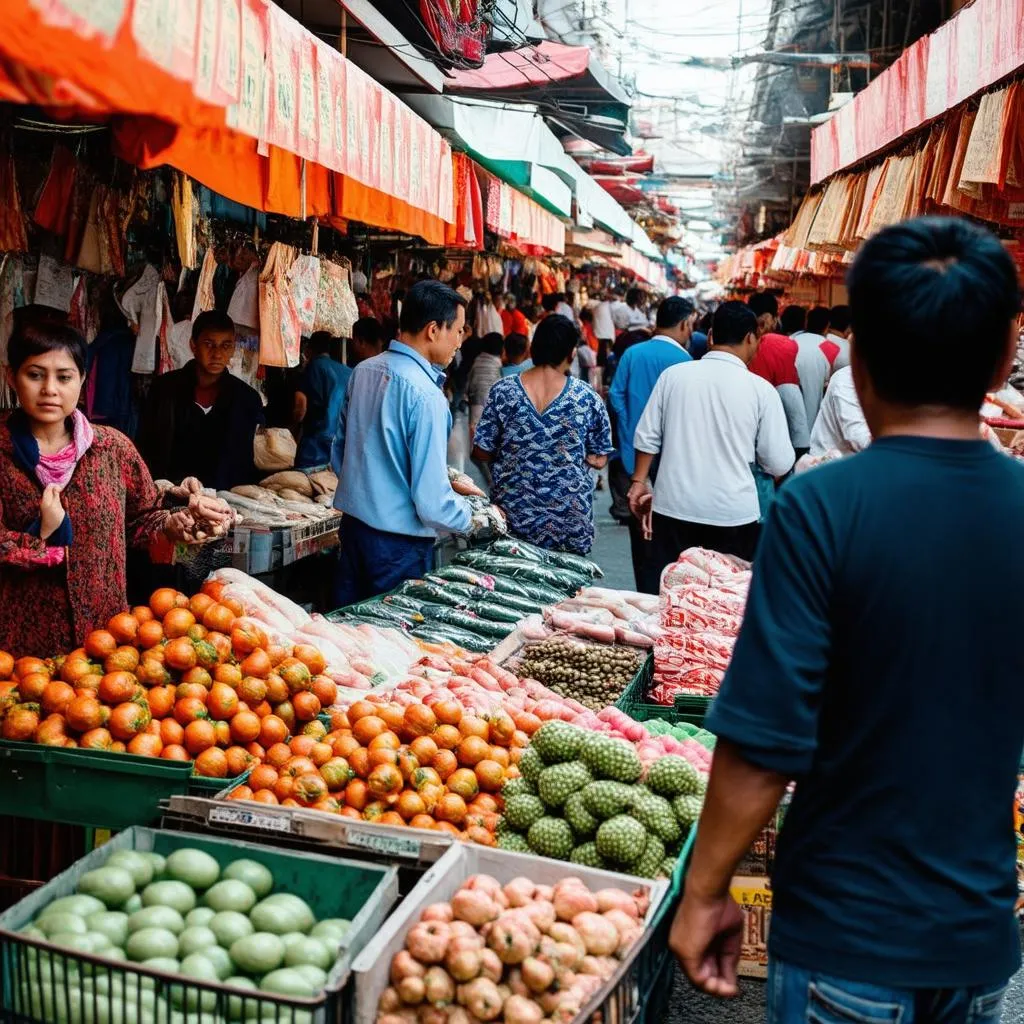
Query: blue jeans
(372, 561)
(797, 995)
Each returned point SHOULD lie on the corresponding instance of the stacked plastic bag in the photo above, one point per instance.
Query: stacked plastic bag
(702, 598)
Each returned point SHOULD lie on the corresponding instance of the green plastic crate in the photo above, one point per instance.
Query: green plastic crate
(39, 988)
(200, 785)
(92, 788)
(635, 702)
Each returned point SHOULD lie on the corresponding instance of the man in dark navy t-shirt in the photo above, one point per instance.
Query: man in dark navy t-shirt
(880, 667)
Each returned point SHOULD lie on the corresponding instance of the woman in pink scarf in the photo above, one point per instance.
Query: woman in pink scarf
(72, 498)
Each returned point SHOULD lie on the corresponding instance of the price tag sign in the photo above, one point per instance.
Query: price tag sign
(388, 845)
(250, 819)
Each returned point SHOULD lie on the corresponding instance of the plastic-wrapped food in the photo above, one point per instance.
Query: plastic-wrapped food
(382, 610)
(439, 633)
(517, 548)
(429, 590)
(462, 574)
(459, 594)
(469, 622)
(565, 580)
(494, 611)
(525, 588)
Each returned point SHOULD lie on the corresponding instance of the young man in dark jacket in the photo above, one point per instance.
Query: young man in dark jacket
(201, 421)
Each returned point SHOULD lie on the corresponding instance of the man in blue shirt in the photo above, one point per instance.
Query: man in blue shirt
(638, 371)
(318, 402)
(877, 671)
(390, 451)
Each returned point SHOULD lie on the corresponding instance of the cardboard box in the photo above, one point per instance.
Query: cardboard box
(754, 895)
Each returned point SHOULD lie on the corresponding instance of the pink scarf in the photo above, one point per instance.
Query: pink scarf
(57, 468)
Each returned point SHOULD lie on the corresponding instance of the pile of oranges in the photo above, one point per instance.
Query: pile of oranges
(185, 679)
(434, 767)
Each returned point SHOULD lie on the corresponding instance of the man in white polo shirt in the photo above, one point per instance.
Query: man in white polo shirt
(710, 421)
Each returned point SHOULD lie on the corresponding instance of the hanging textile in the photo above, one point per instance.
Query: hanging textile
(280, 333)
(204, 288)
(182, 206)
(244, 307)
(303, 285)
(12, 223)
(142, 306)
(53, 209)
(334, 302)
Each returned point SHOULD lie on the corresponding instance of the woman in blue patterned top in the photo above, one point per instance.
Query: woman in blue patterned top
(543, 431)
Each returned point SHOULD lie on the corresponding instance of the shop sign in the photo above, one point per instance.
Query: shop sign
(186, 29)
(153, 31)
(309, 111)
(248, 114)
(87, 18)
(283, 113)
(229, 52)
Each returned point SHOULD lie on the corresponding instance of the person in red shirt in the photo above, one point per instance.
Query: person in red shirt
(512, 319)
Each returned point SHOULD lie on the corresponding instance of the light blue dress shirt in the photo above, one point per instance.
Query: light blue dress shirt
(390, 451)
(638, 371)
(517, 368)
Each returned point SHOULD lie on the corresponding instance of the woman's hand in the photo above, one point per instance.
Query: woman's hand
(51, 512)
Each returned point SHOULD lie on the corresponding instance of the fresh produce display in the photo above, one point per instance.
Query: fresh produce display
(521, 953)
(182, 679)
(593, 674)
(702, 599)
(568, 581)
(681, 731)
(436, 767)
(588, 798)
(183, 915)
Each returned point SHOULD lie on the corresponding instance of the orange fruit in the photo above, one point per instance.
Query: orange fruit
(99, 644)
(410, 803)
(115, 687)
(448, 712)
(444, 763)
(359, 761)
(310, 657)
(32, 686)
(423, 821)
(470, 725)
(464, 782)
(199, 736)
(177, 622)
(272, 731)
(361, 709)
(356, 794)
(229, 674)
(56, 697)
(171, 732)
(451, 807)
(472, 750)
(175, 752)
(180, 654)
(393, 716)
(124, 627)
(165, 599)
(385, 741)
(424, 748)
(345, 744)
(124, 659)
(447, 737)
(490, 775)
(278, 755)
(306, 705)
(257, 664)
(245, 727)
(264, 796)
(367, 728)
(146, 745)
(419, 720)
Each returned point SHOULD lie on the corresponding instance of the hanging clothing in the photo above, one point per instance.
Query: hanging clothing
(142, 305)
(53, 208)
(110, 399)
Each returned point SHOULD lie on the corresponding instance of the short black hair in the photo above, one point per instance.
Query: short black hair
(634, 296)
(586, 314)
(818, 319)
(320, 343)
(555, 341)
(938, 286)
(42, 336)
(732, 323)
(674, 310)
(493, 343)
(367, 329)
(761, 303)
(793, 319)
(211, 320)
(550, 302)
(429, 302)
(839, 318)
(516, 346)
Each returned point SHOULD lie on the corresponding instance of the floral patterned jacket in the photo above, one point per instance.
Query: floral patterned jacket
(47, 609)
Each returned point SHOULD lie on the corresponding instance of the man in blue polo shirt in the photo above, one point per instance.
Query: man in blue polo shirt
(877, 669)
(390, 451)
(638, 371)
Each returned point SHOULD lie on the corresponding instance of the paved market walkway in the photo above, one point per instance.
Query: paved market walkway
(611, 552)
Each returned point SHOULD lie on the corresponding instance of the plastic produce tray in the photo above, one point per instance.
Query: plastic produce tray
(41, 988)
(635, 701)
(308, 829)
(619, 999)
(86, 787)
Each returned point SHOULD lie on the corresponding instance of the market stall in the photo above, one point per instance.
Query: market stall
(463, 728)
